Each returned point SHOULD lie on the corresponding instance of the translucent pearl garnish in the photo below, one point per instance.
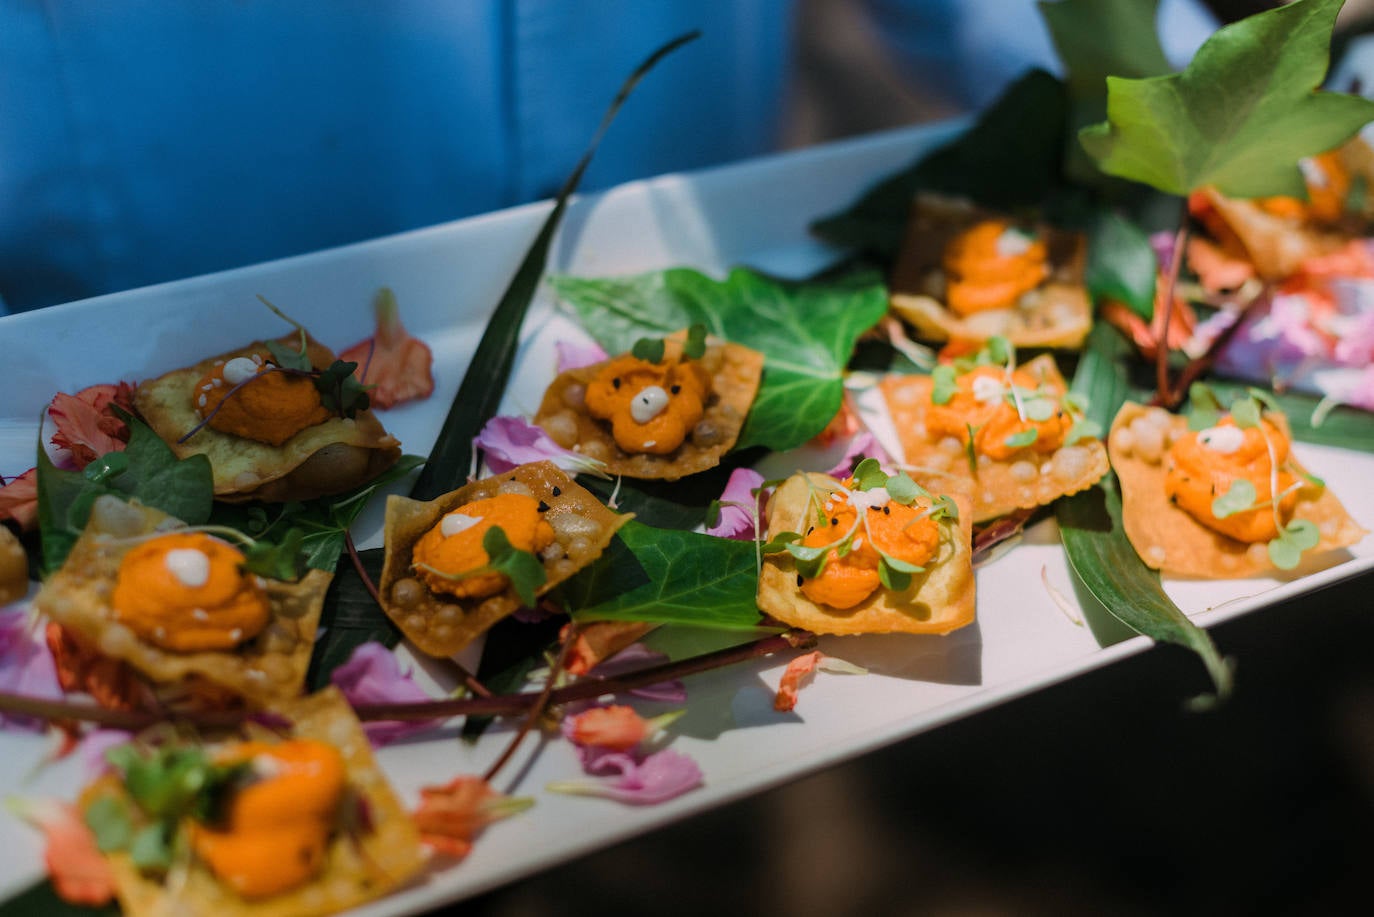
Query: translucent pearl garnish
(1224, 440)
(190, 566)
(454, 523)
(649, 403)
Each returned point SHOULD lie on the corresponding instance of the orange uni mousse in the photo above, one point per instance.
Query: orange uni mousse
(651, 406)
(991, 265)
(903, 532)
(982, 401)
(1205, 464)
(277, 828)
(267, 405)
(187, 592)
(446, 556)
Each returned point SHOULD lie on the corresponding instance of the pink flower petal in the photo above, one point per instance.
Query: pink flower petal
(575, 355)
(26, 665)
(637, 656)
(863, 445)
(373, 675)
(657, 778)
(510, 441)
(737, 505)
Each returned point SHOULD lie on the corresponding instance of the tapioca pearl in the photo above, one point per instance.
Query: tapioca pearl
(1148, 439)
(1258, 553)
(1156, 554)
(595, 449)
(416, 623)
(447, 614)
(246, 480)
(575, 396)
(493, 607)
(442, 633)
(1024, 471)
(519, 488)
(1071, 463)
(707, 433)
(555, 551)
(407, 591)
(562, 569)
(951, 445)
(568, 526)
(117, 640)
(279, 637)
(562, 428)
(579, 546)
(906, 395)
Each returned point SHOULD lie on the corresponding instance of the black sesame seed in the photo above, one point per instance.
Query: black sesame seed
(834, 520)
(558, 491)
(676, 389)
(615, 383)
(887, 511)
(800, 579)
(543, 507)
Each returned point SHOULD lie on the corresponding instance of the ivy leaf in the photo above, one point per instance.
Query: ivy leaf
(668, 577)
(806, 332)
(283, 560)
(1241, 115)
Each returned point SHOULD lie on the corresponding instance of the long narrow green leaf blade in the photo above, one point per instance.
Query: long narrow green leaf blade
(1095, 543)
(480, 393)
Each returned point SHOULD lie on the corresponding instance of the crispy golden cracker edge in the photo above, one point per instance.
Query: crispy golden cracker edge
(1057, 314)
(1170, 540)
(441, 625)
(356, 870)
(1276, 246)
(327, 458)
(1024, 481)
(735, 371)
(938, 601)
(265, 670)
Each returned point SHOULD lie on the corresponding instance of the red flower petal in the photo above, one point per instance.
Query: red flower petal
(19, 499)
(86, 425)
(398, 365)
(790, 686)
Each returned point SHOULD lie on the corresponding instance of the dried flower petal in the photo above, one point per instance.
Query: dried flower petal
(111, 682)
(792, 676)
(452, 815)
(617, 727)
(637, 656)
(79, 873)
(398, 365)
(510, 441)
(739, 506)
(657, 778)
(373, 675)
(19, 499)
(87, 426)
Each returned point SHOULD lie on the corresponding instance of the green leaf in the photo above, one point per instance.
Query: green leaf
(648, 349)
(1241, 115)
(1345, 427)
(806, 332)
(523, 569)
(351, 617)
(1121, 263)
(484, 383)
(869, 474)
(891, 576)
(945, 384)
(110, 821)
(1008, 160)
(41, 900)
(1239, 497)
(902, 489)
(1023, 439)
(669, 577)
(340, 390)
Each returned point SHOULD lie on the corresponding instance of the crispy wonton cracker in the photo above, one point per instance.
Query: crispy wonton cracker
(326, 458)
(1025, 480)
(735, 372)
(440, 624)
(383, 853)
(938, 601)
(264, 670)
(1057, 313)
(1169, 539)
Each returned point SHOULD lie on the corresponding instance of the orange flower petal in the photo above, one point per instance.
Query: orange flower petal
(790, 686)
(79, 873)
(86, 425)
(452, 815)
(398, 365)
(19, 499)
(617, 727)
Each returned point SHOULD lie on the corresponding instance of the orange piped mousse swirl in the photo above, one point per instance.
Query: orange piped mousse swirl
(893, 528)
(454, 546)
(981, 401)
(186, 592)
(1204, 464)
(991, 265)
(651, 407)
(269, 406)
(277, 828)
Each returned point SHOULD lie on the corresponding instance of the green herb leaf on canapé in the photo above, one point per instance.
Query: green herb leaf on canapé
(806, 332)
(668, 577)
(1239, 117)
(1238, 498)
(649, 350)
(1095, 544)
(1310, 418)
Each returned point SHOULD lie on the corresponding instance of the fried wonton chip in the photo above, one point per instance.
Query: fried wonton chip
(14, 567)
(1275, 245)
(377, 856)
(1167, 537)
(735, 372)
(327, 458)
(441, 624)
(1024, 480)
(937, 601)
(263, 670)
(1057, 313)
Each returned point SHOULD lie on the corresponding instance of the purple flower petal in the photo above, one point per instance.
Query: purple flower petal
(26, 665)
(372, 675)
(637, 656)
(657, 778)
(93, 746)
(574, 355)
(737, 503)
(510, 441)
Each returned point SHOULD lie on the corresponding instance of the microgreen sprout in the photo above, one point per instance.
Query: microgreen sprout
(522, 568)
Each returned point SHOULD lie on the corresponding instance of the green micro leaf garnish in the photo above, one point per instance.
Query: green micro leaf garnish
(1239, 497)
(650, 350)
(1022, 439)
(946, 384)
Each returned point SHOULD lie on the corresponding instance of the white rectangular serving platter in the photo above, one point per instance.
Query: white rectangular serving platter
(447, 279)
